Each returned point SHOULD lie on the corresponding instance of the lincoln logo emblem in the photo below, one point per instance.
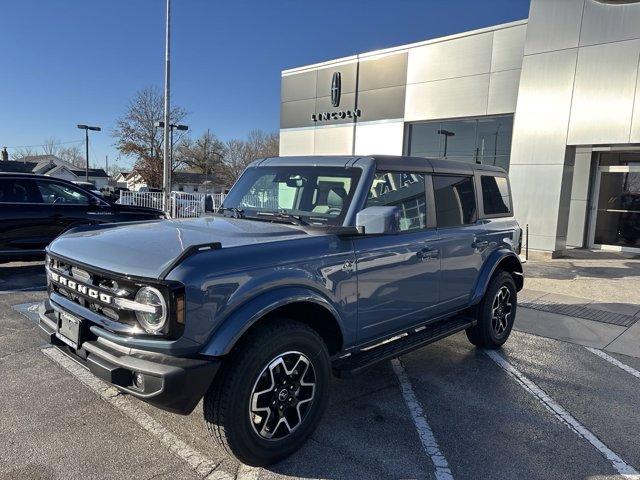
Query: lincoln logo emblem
(336, 87)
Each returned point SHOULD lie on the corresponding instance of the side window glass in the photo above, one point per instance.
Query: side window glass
(59, 193)
(404, 190)
(17, 190)
(495, 195)
(455, 200)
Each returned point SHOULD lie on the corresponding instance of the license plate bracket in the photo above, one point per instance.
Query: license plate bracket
(69, 330)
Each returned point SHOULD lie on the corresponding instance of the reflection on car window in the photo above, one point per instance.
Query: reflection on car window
(404, 190)
(455, 200)
(59, 193)
(322, 194)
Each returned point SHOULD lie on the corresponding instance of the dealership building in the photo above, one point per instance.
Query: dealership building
(554, 99)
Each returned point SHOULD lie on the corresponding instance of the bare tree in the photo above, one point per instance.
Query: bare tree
(240, 153)
(137, 136)
(72, 154)
(69, 153)
(51, 146)
(203, 155)
(22, 152)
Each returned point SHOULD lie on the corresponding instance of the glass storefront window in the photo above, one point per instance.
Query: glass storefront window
(485, 140)
(618, 215)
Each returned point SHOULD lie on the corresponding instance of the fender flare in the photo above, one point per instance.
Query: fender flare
(490, 265)
(225, 336)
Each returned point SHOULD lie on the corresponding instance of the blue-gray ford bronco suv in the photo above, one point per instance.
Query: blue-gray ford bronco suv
(313, 266)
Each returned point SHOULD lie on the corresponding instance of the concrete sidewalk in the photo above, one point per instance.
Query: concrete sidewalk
(587, 297)
(610, 326)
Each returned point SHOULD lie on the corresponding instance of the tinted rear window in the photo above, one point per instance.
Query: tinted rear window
(495, 195)
(18, 190)
(455, 200)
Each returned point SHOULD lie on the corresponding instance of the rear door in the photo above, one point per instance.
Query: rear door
(24, 224)
(398, 275)
(496, 211)
(462, 237)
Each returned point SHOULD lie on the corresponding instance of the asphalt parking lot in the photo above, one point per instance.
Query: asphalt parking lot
(539, 408)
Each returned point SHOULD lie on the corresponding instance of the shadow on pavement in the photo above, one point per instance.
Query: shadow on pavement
(22, 276)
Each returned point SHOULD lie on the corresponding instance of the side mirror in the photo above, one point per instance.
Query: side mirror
(379, 220)
(93, 201)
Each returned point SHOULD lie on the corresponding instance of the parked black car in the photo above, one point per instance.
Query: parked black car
(35, 209)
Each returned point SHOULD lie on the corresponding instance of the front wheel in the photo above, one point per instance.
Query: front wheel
(271, 393)
(495, 313)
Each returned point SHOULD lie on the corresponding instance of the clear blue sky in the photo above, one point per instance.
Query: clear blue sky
(64, 62)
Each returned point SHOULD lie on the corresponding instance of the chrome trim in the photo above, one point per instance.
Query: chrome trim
(135, 306)
(95, 318)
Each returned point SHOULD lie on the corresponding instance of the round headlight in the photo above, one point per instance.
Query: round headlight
(152, 322)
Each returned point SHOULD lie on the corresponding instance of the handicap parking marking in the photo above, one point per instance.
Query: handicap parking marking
(614, 361)
(29, 310)
(623, 468)
(202, 465)
(427, 438)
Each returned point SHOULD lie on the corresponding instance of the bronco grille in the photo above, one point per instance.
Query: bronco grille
(92, 290)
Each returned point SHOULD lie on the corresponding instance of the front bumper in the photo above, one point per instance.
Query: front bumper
(175, 384)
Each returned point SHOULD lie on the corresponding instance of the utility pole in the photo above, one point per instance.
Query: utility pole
(86, 129)
(166, 183)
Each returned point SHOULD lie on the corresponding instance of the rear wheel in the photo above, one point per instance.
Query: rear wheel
(495, 313)
(270, 394)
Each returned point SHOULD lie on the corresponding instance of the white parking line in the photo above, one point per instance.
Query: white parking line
(428, 440)
(614, 361)
(623, 468)
(245, 472)
(195, 459)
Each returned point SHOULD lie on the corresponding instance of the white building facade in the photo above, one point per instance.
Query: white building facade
(554, 99)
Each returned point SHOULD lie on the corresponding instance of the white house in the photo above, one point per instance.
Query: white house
(53, 166)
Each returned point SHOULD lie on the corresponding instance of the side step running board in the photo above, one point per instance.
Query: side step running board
(357, 362)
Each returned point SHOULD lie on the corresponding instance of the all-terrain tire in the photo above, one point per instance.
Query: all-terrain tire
(227, 405)
(495, 318)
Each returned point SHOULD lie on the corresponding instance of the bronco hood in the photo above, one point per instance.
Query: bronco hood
(145, 249)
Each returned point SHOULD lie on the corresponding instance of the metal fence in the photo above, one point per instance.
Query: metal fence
(141, 199)
(183, 205)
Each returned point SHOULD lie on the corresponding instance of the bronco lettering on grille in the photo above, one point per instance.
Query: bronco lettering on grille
(80, 288)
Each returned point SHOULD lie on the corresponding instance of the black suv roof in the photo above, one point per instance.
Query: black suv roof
(29, 175)
(382, 162)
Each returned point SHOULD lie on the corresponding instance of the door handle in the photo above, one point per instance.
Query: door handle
(427, 253)
(478, 244)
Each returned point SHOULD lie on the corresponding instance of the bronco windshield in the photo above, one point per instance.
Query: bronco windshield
(318, 195)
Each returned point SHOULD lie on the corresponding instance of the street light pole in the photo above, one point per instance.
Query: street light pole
(166, 181)
(446, 134)
(172, 126)
(86, 157)
(86, 129)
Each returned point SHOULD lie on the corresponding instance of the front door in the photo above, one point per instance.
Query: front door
(398, 275)
(616, 217)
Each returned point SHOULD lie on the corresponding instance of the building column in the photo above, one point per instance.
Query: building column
(542, 164)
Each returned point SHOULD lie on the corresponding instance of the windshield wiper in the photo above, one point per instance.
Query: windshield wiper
(237, 212)
(283, 215)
